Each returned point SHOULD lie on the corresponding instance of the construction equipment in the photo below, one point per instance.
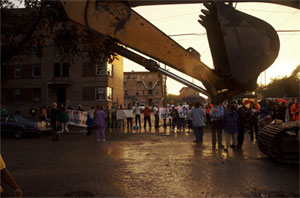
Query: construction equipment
(242, 46)
(280, 141)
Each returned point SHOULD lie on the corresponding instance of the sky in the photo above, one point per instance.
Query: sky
(180, 19)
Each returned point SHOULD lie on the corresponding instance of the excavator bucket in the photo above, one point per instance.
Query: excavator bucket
(242, 46)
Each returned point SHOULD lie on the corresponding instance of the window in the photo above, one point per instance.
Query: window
(104, 68)
(143, 92)
(137, 93)
(150, 84)
(149, 92)
(126, 93)
(109, 69)
(65, 69)
(100, 69)
(128, 76)
(157, 92)
(158, 83)
(17, 71)
(100, 93)
(11, 119)
(133, 76)
(109, 93)
(56, 69)
(18, 95)
(36, 94)
(36, 70)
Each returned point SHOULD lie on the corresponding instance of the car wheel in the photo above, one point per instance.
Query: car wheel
(19, 133)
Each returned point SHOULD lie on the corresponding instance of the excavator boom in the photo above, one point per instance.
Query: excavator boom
(225, 26)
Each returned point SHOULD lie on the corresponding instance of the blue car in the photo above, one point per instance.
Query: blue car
(19, 126)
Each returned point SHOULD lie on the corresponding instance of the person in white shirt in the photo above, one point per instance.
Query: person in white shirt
(137, 115)
(181, 120)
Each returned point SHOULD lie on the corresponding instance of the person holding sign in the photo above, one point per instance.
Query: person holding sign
(120, 117)
(129, 116)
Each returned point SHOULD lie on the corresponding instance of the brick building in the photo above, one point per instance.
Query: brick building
(190, 95)
(28, 80)
(143, 87)
(187, 92)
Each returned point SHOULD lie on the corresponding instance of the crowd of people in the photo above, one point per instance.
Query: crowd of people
(233, 118)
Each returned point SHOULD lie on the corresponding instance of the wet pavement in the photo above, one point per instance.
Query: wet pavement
(144, 164)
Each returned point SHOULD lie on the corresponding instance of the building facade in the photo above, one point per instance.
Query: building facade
(143, 87)
(28, 80)
(190, 96)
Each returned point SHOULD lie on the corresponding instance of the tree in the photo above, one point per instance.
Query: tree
(280, 87)
(44, 23)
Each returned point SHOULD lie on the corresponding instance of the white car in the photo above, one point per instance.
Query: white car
(142, 106)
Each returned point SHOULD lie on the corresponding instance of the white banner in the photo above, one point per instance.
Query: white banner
(77, 118)
(120, 114)
(164, 113)
(128, 113)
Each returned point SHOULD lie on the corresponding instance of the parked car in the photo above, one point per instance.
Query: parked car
(142, 106)
(19, 126)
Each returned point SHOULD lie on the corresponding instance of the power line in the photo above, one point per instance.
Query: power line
(204, 33)
(272, 11)
(174, 16)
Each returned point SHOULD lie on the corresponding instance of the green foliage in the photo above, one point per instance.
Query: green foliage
(43, 24)
(280, 87)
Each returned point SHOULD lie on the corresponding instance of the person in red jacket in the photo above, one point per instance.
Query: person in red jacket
(147, 117)
(295, 110)
(208, 106)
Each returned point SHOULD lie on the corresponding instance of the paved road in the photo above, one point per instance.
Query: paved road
(144, 164)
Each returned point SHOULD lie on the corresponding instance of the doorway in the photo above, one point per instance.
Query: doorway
(61, 95)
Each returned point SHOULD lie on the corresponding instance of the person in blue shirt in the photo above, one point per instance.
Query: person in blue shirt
(216, 114)
(231, 126)
(89, 123)
(197, 116)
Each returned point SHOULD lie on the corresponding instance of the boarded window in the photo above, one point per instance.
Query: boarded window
(88, 93)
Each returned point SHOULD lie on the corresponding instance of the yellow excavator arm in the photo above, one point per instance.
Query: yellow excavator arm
(239, 42)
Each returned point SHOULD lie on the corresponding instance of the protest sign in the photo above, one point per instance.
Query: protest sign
(128, 113)
(77, 118)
